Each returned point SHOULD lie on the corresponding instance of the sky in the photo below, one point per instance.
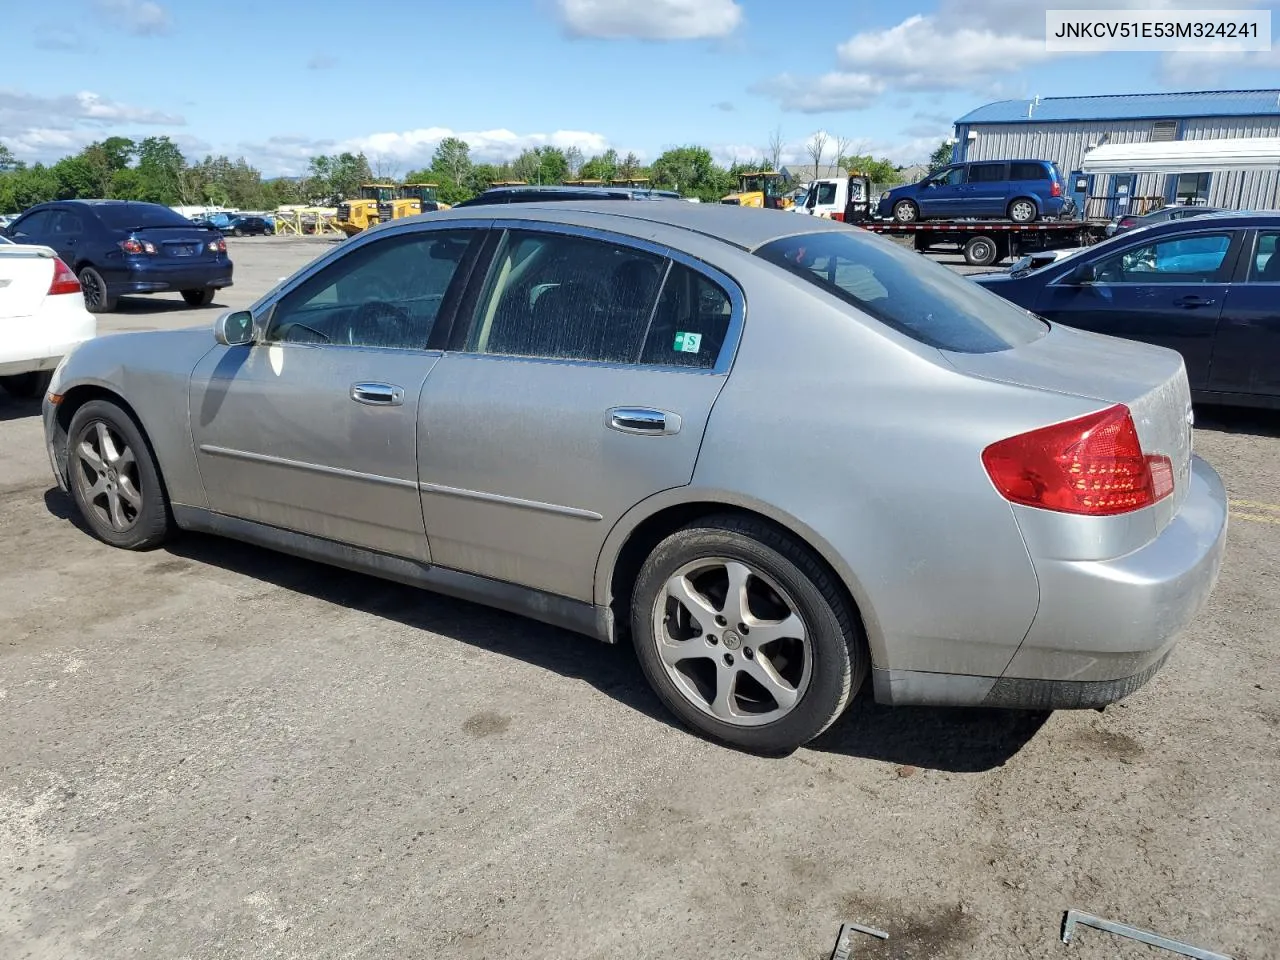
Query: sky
(278, 81)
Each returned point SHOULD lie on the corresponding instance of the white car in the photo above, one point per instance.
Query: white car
(42, 317)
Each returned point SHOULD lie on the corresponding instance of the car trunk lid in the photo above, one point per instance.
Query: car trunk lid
(180, 243)
(25, 275)
(1150, 381)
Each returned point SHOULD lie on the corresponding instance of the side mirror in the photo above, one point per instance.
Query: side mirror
(1085, 273)
(233, 328)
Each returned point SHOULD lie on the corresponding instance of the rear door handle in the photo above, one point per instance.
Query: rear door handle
(1192, 302)
(377, 394)
(642, 420)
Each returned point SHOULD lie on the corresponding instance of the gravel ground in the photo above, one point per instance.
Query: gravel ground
(213, 751)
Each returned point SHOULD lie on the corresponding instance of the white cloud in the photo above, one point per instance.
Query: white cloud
(650, 19)
(837, 90)
(142, 18)
(46, 128)
(288, 155)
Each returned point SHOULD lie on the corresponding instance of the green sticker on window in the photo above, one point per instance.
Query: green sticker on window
(688, 342)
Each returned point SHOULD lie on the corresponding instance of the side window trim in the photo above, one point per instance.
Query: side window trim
(480, 279)
(263, 308)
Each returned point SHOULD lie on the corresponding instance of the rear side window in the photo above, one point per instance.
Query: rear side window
(987, 172)
(131, 216)
(903, 290)
(691, 322)
(1028, 171)
(1266, 263)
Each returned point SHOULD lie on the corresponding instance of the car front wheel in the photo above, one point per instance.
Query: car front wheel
(114, 479)
(904, 211)
(745, 635)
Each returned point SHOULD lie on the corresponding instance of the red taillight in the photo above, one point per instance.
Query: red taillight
(1093, 465)
(133, 245)
(1128, 221)
(64, 281)
(218, 246)
(1055, 190)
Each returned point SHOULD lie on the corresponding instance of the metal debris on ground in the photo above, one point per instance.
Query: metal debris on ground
(1075, 917)
(843, 946)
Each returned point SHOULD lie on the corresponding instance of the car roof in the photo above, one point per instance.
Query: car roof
(745, 227)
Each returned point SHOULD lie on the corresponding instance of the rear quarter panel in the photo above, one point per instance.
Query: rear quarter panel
(869, 444)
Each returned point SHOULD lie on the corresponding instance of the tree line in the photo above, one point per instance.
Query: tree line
(155, 170)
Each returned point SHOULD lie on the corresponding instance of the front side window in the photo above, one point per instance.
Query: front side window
(383, 294)
(1196, 259)
(986, 172)
(826, 193)
(902, 290)
(947, 178)
(1266, 264)
(34, 225)
(563, 297)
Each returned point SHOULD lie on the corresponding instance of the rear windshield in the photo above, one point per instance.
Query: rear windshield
(905, 291)
(128, 216)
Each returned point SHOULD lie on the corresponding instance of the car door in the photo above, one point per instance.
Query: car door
(940, 196)
(1168, 291)
(581, 386)
(1246, 354)
(985, 187)
(34, 228)
(313, 428)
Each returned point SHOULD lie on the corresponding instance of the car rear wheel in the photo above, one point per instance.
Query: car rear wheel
(1023, 211)
(97, 298)
(198, 298)
(745, 635)
(905, 211)
(237, 232)
(27, 386)
(114, 479)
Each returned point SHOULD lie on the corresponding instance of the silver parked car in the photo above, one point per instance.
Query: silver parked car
(773, 453)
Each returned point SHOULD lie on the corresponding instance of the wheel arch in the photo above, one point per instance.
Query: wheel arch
(75, 397)
(642, 528)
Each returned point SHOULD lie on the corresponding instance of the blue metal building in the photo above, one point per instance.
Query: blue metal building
(1064, 128)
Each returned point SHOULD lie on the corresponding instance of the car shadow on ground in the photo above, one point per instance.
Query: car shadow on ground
(163, 303)
(959, 741)
(1243, 420)
(12, 409)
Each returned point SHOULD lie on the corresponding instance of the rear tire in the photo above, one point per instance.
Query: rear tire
(981, 252)
(97, 298)
(905, 211)
(114, 480)
(198, 298)
(803, 654)
(27, 386)
(1023, 210)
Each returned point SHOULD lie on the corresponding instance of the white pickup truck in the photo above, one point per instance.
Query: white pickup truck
(837, 198)
(42, 317)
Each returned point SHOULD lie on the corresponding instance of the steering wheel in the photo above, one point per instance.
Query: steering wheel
(389, 320)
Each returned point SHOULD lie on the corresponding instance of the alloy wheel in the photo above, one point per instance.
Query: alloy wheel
(108, 476)
(1023, 211)
(732, 642)
(91, 287)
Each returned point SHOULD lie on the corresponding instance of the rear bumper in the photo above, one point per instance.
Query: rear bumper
(1103, 628)
(35, 344)
(161, 279)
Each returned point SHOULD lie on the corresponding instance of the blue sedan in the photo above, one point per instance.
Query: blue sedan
(1208, 287)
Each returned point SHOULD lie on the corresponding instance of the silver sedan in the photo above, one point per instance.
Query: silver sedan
(774, 454)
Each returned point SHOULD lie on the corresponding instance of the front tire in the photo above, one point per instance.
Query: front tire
(97, 298)
(905, 211)
(198, 298)
(27, 386)
(745, 635)
(114, 479)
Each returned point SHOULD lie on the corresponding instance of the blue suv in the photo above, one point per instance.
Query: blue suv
(1020, 190)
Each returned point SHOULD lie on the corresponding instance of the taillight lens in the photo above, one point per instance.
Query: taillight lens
(64, 280)
(134, 245)
(1055, 190)
(218, 246)
(1093, 466)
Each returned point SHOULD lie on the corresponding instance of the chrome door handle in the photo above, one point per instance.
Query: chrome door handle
(642, 420)
(377, 394)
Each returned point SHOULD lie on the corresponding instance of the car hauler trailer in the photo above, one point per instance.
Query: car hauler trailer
(985, 242)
